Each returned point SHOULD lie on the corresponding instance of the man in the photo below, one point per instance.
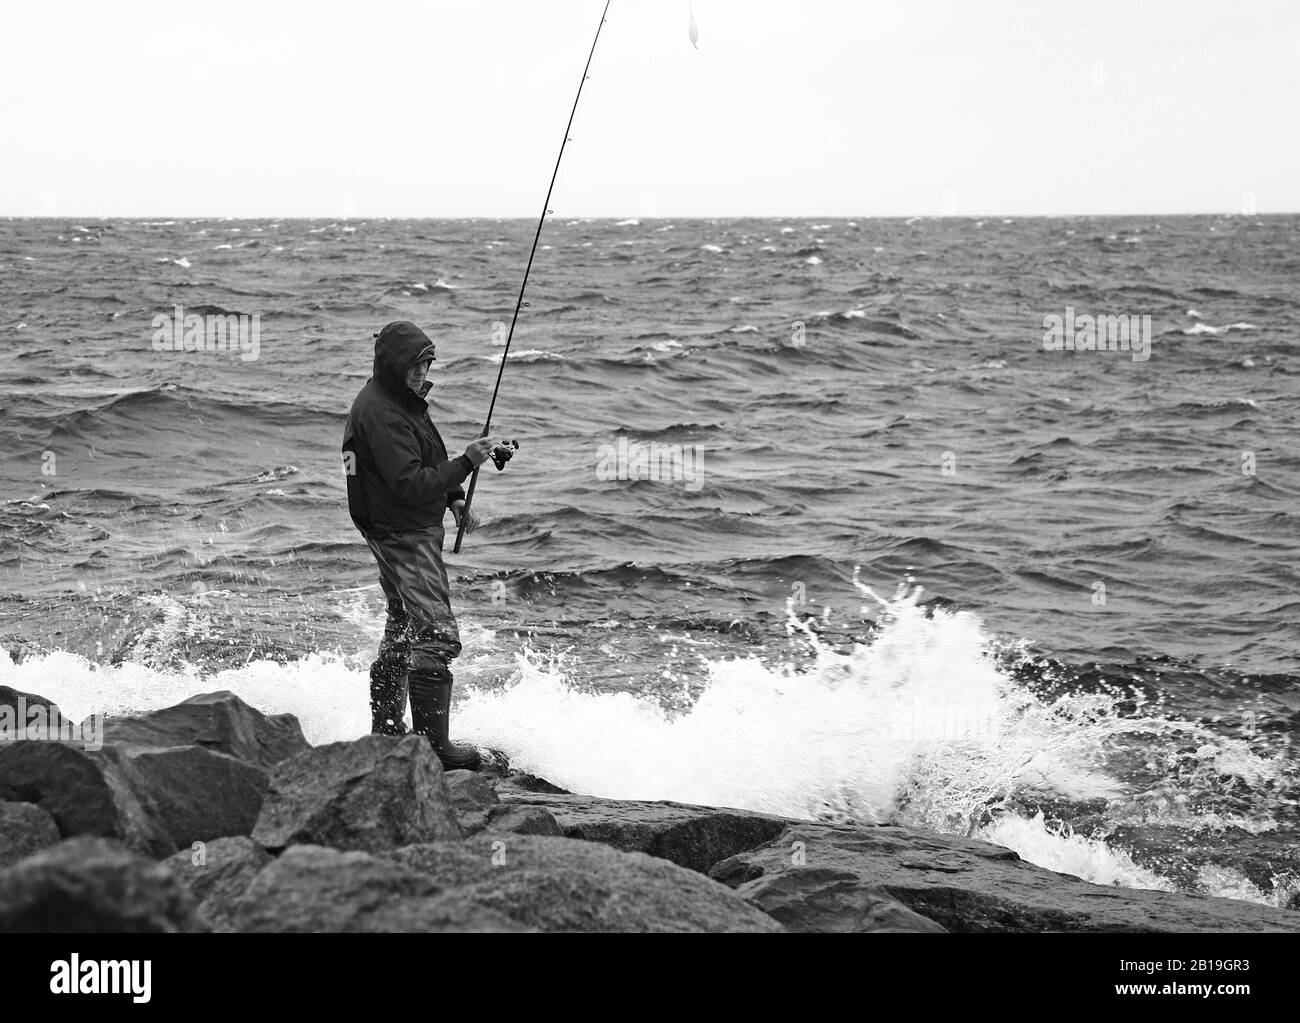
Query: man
(400, 484)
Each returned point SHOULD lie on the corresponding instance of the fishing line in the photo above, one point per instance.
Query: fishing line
(469, 496)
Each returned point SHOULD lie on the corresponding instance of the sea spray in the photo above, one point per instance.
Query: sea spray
(922, 724)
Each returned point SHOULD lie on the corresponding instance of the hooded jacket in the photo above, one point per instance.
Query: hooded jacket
(399, 476)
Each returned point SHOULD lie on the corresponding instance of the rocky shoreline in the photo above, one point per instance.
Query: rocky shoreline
(211, 816)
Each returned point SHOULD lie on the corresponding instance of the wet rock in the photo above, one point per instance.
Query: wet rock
(968, 885)
(378, 792)
(20, 711)
(523, 820)
(695, 837)
(831, 901)
(86, 792)
(472, 796)
(93, 886)
(219, 721)
(25, 828)
(196, 794)
(564, 884)
(217, 874)
(311, 889)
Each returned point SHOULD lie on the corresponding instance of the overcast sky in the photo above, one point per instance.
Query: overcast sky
(797, 108)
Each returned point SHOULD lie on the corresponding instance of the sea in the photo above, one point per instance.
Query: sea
(987, 526)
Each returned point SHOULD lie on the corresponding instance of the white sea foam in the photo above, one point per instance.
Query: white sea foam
(1205, 328)
(920, 726)
(1060, 849)
(527, 355)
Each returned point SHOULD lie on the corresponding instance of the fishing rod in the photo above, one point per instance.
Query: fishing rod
(469, 496)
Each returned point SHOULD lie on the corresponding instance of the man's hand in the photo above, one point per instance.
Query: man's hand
(458, 509)
(478, 451)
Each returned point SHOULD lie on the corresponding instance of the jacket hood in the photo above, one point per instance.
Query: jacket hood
(398, 347)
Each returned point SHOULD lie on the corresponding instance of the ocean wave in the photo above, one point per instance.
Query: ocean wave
(1205, 328)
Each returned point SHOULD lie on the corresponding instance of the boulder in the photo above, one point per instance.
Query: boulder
(563, 884)
(25, 828)
(810, 870)
(17, 713)
(523, 820)
(217, 874)
(312, 889)
(378, 792)
(220, 721)
(154, 801)
(86, 792)
(819, 900)
(196, 794)
(93, 886)
(472, 796)
(695, 837)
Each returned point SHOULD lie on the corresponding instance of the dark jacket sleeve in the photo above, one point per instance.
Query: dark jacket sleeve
(395, 452)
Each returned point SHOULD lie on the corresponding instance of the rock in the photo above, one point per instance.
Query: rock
(531, 783)
(472, 796)
(831, 901)
(478, 807)
(524, 820)
(19, 711)
(86, 792)
(217, 721)
(563, 884)
(197, 794)
(311, 889)
(25, 828)
(93, 886)
(223, 871)
(378, 792)
(963, 885)
(695, 837)
(154, 801)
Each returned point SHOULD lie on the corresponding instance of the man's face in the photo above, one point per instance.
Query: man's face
(415, 376)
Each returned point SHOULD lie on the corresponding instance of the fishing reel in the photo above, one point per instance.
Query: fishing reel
(503, 452)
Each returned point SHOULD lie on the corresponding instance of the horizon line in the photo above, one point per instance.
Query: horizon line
(641, 218)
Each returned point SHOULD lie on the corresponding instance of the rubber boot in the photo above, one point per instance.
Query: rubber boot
(430, 715)
(388, 681)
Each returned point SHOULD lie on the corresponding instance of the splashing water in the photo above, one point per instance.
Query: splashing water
(917, 725)
(1058, 847)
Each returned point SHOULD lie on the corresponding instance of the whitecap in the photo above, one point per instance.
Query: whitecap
(527, 355)
(1205, 328)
